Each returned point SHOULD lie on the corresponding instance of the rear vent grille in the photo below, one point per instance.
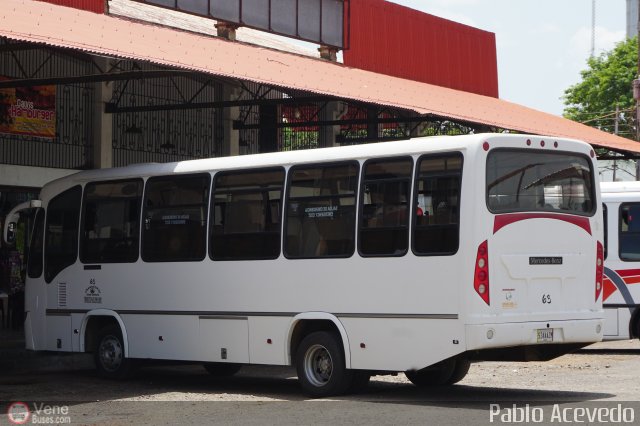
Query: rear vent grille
(62, 295)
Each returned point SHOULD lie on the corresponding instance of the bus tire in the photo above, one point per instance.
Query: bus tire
(460, 371)
(444, 373)
(320, 364)
(221, 369)
(109, 355)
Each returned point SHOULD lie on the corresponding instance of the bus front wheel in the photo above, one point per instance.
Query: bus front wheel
(444, 373)
(320, 364)
(109, 354)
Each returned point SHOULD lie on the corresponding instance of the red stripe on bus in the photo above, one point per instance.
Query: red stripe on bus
(628, 272)
(632, 280)
(608, 289)
(502, 220)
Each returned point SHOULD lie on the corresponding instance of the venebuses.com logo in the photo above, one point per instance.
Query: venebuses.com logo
(18, 413)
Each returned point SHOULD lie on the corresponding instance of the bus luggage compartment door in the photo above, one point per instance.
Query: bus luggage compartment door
(224, 339)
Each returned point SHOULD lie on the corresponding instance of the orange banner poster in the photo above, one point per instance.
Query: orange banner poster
(28, 111)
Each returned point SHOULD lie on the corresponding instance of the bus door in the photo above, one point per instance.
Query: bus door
(18, 230)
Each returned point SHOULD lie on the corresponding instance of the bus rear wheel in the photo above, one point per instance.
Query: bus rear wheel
(109, 354)
(221, 369)
(320, 364)
(444, 373)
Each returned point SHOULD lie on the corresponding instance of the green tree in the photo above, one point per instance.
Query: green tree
(606, 83)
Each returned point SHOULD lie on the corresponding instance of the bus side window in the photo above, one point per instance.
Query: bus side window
(437, 225)
(384, 212)
(61, 235)
(110, 222)
(175, 218)
(629, 232)
(245, 215)
(321, 211)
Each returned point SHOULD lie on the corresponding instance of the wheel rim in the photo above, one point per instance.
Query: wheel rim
(318, 365)
(110, 353)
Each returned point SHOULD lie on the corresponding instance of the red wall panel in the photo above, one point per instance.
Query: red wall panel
(97, 6)
(391, 39)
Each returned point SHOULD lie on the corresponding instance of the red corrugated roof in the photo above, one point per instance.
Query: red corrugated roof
(37, 22)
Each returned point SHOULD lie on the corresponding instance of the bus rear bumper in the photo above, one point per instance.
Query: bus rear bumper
(504, 335)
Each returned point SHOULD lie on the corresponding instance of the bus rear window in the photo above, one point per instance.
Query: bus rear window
(520, 180)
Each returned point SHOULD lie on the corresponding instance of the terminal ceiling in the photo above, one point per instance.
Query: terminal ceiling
(280, 78)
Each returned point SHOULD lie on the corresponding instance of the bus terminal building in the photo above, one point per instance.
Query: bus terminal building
(106, 83)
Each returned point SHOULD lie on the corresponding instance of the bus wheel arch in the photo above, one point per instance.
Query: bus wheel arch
(307, 323)
(320, 365)
(109, 355)
(319, 349)
(94, 322)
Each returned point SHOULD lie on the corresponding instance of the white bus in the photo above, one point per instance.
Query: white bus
(621, 293)
(416, 256)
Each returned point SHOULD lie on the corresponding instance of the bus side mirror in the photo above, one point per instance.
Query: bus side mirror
(11, 224)
(11, 233)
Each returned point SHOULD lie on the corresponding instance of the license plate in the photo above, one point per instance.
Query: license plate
(545, 335)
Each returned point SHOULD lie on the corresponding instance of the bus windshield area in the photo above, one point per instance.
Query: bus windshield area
(539, 181)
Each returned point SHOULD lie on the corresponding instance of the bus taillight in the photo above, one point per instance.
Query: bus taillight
(599, 269)
(481, 277)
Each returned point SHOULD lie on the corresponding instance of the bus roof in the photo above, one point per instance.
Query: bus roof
(384, 149)
(619, 187)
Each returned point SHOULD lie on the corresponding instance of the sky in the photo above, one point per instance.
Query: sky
(542, 45)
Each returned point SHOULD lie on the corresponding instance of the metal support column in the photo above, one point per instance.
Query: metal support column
(102, 146)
